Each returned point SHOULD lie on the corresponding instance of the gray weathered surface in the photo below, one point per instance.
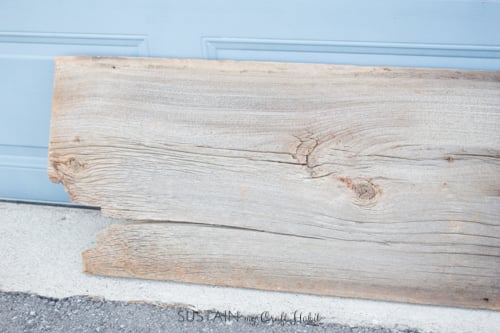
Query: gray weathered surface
(381, 172)
(241, 258)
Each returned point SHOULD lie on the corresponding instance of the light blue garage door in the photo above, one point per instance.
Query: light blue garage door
(433, 33)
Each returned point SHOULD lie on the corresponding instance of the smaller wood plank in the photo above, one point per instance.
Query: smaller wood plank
(237, 257)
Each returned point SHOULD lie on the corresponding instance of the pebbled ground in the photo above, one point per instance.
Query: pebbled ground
(20, 312)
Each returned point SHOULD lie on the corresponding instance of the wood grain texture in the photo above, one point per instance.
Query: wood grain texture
(393, 172)
(205, 254)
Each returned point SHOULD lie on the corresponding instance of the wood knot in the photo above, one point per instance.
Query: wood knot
(304, 149)
(74, 164)
(365, 190)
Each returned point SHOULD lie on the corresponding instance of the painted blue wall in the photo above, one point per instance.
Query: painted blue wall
(421, 33)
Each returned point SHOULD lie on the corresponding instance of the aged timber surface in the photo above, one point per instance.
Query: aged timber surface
(352, 181)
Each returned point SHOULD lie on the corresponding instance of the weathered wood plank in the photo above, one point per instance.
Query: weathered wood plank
(400, 164)
(234, 257)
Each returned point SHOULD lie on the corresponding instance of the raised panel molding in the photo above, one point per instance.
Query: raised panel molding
(26, 61)
(23, 175)
(485, 57)
(43, 44)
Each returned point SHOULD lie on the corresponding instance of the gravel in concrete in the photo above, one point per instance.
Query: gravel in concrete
(21, 312)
